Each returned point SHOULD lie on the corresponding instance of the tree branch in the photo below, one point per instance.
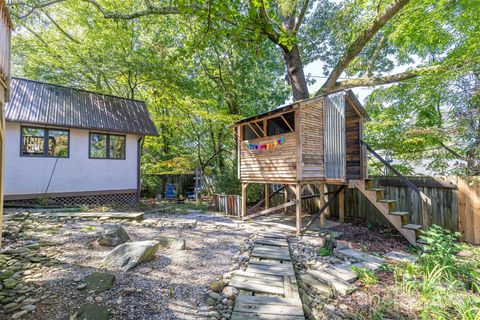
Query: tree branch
(357, 46)
(377, 81)
(303, 11)
(65, 33)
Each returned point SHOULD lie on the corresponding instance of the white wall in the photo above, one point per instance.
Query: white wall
(30, 175)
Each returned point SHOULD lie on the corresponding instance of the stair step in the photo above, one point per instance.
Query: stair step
(400, 213)
(421, 241)
(412, 226)
(387, 201)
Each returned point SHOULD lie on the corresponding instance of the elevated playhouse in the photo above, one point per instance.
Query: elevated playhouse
(314, 142)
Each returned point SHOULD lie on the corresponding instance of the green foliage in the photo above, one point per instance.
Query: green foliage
(445, 282)
(365, 275)
(325, 251)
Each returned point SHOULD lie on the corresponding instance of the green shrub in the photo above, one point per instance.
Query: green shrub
(324, 251)
(365, 275)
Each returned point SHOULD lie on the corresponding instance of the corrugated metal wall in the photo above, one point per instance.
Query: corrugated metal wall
(334, 135)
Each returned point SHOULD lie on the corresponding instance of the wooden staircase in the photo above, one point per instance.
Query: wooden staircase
(399, 219)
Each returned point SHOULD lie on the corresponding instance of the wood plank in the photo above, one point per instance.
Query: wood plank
(255, 287)
(264, 277)
(252, 316)
(269, 253)
(279, 268)
(272, 242)
(270, 210)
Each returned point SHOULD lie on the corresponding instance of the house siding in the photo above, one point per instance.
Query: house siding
(78, 173)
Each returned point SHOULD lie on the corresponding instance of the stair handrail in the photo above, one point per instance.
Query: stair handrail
(425, 200)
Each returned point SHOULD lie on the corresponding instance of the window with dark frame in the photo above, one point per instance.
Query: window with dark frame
(44, 142)
(283, 124)
(107, 146)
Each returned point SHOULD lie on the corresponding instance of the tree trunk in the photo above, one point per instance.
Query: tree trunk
(295, 74)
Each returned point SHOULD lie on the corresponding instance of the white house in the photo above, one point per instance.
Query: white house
(71, 146)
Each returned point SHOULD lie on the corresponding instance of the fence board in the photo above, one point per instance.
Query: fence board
(469, 210)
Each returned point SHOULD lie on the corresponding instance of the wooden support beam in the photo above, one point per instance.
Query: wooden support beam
(298, 211)
(254, 131)
(286, 122)
(263, 200)
(244, 199)
(285, 196)
(270, 210)
(341, 206)
(322, 210)
(267, 196)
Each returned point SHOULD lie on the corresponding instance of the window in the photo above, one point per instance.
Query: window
(283, 124)
(107, 146)
(44, 142)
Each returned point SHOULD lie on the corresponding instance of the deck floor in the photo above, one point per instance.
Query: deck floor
(268, 287)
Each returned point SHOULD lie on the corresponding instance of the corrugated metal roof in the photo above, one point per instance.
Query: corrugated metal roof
(41, 103)
(349, 93)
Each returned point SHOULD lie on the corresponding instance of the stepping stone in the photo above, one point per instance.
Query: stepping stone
(99, 281)
(401, 256)
(352, 253)
(344, 273)
(314, 241)
(321, 289)
(368, 265)
(90, 311)
(269, 252)
(343, 288)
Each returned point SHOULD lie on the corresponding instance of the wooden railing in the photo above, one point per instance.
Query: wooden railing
(425, 200)
(5, 46)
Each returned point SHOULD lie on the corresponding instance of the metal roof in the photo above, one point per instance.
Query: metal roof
(37, 102)
(349, 93)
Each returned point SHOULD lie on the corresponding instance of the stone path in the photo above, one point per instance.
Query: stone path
(268, 287)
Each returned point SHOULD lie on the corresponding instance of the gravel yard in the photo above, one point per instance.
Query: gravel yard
(51, 257)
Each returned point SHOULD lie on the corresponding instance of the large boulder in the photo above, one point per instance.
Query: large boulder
(172, 243)
(114, 237)
(128, 255)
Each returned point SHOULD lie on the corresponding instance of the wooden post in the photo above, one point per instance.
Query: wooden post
(267, 196)
(285, 193)
(321, 202)
(244, 199)
(298, 206)
(341, 206)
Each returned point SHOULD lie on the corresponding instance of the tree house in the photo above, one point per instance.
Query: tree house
(313, 141)
(316, 141)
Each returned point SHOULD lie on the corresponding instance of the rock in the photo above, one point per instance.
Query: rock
(321, 289)
(28, 307)
(217, 286)
(214, 295)
(343, 288)
(77, 279)
(99, 281)
(210, 301)
(401, 256)
(81, 286)
(11, 306)
(355, 254)
(19, 314)
(230, 292)
(128, 255)
(343, 272)
(9, 283)
(6, 274)
(114, 237)
(172, 242)
(90, 311)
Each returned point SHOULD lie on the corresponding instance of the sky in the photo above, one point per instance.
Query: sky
(316, 69)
